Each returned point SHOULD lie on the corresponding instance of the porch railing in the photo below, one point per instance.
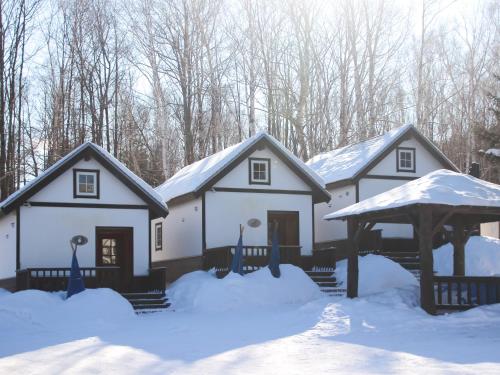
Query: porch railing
(255, 257)
(464, 292)
(54, 278)
(324, 259)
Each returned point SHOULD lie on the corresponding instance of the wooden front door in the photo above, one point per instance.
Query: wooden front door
(288, 227)
(114, 247)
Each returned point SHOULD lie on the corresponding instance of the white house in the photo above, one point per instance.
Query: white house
(359, 171)
(253, 183)
(88, 192)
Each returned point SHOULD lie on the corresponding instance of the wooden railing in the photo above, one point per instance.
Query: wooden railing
(324, 259)
(464, 292)
(254, 257)
(53, 279)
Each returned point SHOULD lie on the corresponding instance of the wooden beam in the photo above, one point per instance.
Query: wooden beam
(426, 261)
(460, 237)
(442, 221)
(352, 259)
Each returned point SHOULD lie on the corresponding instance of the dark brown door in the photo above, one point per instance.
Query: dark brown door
(288, 227)
(114, 247)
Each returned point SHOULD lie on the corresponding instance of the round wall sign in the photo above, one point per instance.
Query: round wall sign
(254, 223)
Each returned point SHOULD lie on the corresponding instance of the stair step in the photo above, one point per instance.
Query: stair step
(152, 306)
(138, 302)
(327, 284)
(146, 295)
(320, 273)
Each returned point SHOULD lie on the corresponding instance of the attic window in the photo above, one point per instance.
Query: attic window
(158, 236)
(259, 171)
(405, 159)
(86, 183)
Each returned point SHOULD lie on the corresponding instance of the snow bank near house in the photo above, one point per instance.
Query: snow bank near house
(377, 274)
(202, 291)
(4, 292)
(482, 257)
(34, 307)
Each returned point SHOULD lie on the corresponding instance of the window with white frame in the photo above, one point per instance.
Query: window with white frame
(405, 159)
(259, 171)
(86, 183)
(158, 236)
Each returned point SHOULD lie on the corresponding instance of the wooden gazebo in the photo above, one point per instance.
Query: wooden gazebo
(441, 200)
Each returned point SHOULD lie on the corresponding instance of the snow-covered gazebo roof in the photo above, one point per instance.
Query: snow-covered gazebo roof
(444, 189)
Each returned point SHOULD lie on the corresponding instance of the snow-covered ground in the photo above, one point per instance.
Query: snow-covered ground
(273, 332)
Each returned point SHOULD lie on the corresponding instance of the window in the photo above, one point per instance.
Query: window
(259, 171)
(109, 251)
(158, 236)
(405, 159)
(85, 183)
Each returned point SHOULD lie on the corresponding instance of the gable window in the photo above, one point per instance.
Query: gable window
(158, 236)
(259, 171)
(86, 183)
(405, 159)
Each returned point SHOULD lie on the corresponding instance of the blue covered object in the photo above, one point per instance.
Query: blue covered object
(274, 262)
(237, 265)
(75, 282)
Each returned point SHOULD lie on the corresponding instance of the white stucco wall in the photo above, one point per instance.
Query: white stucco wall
(226, 211)
(112, 190)
(182, 232)
(46, 232)
(491, 229)
(425, 162)
(282, 177)
(333, 229)
(8, 246)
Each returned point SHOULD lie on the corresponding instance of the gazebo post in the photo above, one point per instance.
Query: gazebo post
(459, 240)
(426, 260)
(352, 259)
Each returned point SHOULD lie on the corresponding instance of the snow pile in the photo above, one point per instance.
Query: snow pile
(441, 187)
(482, 257)
(35, 307)
(377, 274)
(202, 291)
(4, 292)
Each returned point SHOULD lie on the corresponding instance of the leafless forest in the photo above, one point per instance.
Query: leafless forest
(163, 83)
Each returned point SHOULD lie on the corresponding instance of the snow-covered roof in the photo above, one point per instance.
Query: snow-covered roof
(441, 187)
(347, 162)
(192, 178)
(50, 172)
(494, 152)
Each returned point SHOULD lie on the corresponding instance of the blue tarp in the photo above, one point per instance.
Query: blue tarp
(274, 262)
(75, 282)
(237, 266)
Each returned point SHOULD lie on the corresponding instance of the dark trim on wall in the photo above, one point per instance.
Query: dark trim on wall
(383, 177)
(18, 238)
(89, 205)
(414, 157)
(262, 191)
(158, 225)
(203, 224)
(97, 183)
(179, 266)
(357, 191)
(86, 151)
(150, 250)
(250, 177)
(319, 193)
(313, 222)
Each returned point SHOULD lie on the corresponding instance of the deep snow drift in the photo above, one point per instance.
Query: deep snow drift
(383, 333)
(97, 307)
(482, 257)
(202, 291)
(377, 274)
